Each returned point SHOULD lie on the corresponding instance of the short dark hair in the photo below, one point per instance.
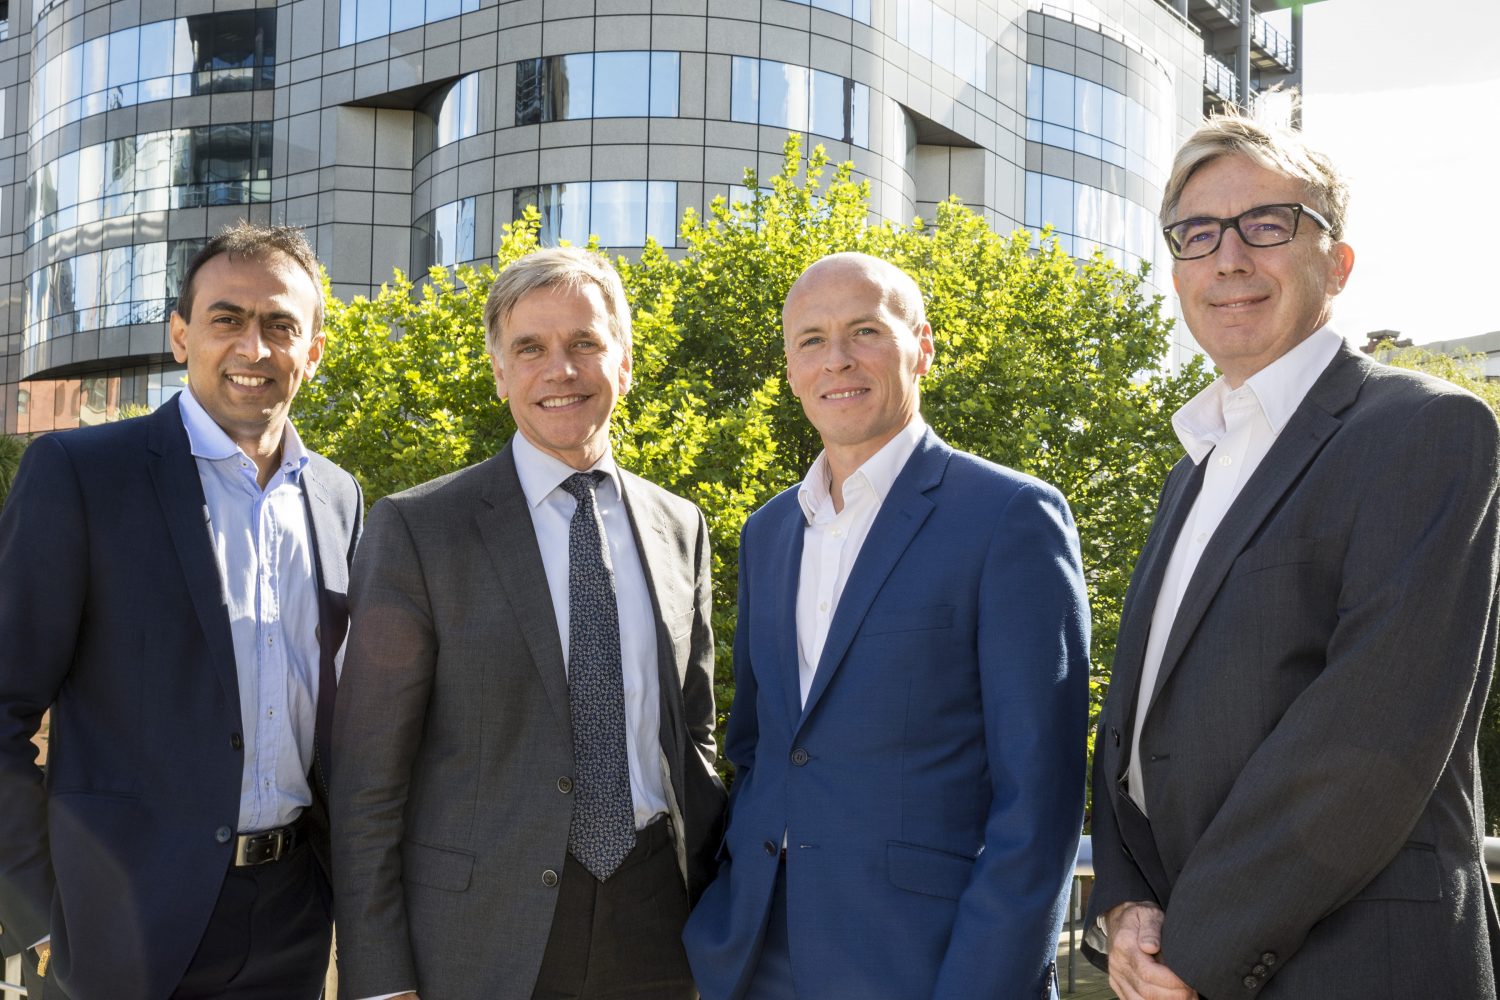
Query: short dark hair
(247, 240)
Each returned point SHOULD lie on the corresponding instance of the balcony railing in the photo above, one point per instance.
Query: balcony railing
(1273, 43)
(1219, 80)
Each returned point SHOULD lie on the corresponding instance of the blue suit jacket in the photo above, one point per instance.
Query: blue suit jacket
(112, 613)
(931, 790)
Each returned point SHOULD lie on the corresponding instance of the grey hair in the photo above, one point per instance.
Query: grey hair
(572, 268)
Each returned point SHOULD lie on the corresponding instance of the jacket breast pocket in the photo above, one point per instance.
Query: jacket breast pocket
(436, 867)
(883, 621)
(1277, 552)
(927, 871)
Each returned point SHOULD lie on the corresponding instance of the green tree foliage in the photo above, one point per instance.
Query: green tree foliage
(10, 461)
(1042, 364)
(1467, 371)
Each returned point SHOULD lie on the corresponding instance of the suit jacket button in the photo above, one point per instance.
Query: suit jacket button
(1269, 958)
(549, 878)
(1251, 982)
(770, 847)
(565, 784)
(223, 834)
(800, 756)
(1259, 970)
(236, 741)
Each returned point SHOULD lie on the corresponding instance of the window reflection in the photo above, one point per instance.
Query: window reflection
(445, 236)
(361, 20)
(597, 85)
(449, 115)
(200, 54)
(181, 168)
(800, 99)
(620, 213)
(1085, 219)
(114, 287)
(61, 404)
(1073, 113)
(936, 34)
(859, 10)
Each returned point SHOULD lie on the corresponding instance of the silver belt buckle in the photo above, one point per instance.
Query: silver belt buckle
(260, 848)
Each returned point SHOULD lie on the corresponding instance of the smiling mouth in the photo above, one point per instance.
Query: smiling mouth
(845, 393)
(248, 381)
(1239, 303)
(558, 402)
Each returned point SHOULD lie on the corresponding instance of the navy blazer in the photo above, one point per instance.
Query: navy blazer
(931, 791)
(112, 613)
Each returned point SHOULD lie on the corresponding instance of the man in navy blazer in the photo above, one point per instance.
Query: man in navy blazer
(172, 587)
(911, 669)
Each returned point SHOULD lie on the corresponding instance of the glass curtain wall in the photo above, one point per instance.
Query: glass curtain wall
(620, 213)
(784, 95)
(941, 37)
(362, 20)
(115, 287)
(597, 85)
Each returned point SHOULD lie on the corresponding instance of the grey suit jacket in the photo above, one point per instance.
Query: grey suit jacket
(452, 732)
(1312, 780)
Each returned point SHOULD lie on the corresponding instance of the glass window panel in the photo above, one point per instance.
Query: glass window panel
(944, 27)
(1034, 85)
(570, 87)
(406, 14)
(837, 6)
(981, 62)
(182, 46)
(469, 105)
(921, 28)
(374, 19)
(158, 39)
(347, 33)
(1034, 131)
(67, 180)
(1114, 117)
(618, 213)
(1057, 98)
(445, 233)
(661, 212)
(1057, 203)
(149, 267)
(1086, 221)
(665, 78)
(1089, 145)
(464, 247)
(622, 83)
(861, 11)
(963, 53)
(829, 105)
(783, 95)
(903, 22)
(744, 89)
(1088, 107)
(124, 51)
(437, 10)
(529, 88)
(1033, 218)
(70, 76)
(860, 126)
(91, 172)
(565, 213)
(1112, 219)
(1057, 135)
(86, 288)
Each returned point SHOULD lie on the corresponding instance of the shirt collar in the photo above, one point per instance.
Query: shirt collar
(541, 473)
(208, 441)
(1278, 388)
(879, 471)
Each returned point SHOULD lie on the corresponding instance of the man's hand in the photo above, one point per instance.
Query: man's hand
(1135, 972)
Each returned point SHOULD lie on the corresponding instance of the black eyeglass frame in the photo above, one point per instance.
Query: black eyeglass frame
(1298, 211)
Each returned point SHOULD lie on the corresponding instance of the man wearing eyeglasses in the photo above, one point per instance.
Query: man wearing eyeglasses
(1286, 792)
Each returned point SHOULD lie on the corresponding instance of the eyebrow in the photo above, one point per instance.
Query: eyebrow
(234, 308)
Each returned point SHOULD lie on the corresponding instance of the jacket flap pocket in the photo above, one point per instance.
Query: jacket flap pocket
(930, 872)
(1277, 552)
(1413, 874)
(436, 867)
(881, 620)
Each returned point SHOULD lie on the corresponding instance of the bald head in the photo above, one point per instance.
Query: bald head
(899, 291)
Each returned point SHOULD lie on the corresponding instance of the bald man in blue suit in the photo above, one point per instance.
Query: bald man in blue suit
(911, 668)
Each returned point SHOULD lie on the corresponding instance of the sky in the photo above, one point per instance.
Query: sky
(1405, 97)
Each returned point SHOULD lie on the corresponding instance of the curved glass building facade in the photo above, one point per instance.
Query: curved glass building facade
(406, 134)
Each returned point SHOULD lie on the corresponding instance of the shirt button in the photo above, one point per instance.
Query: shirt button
(823, 607)
(1200, 538)
(770, 847)
(837, 532)
(549, 878)
(1226, 460)
(236, 741)
(800, 756)
(565, 784)
(222, 834)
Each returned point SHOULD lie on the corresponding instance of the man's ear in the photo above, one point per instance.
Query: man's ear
(1343, 266)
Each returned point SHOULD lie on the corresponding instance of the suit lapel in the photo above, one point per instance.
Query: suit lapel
(1135, 625)
(504, 523)
(901, 515)
(786, 565)
(174, 473)
(333, 624)
(1314, 422)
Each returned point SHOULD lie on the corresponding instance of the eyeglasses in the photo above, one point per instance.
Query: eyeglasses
(1261, 226)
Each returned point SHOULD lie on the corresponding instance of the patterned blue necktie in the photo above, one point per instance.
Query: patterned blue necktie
(603, 829)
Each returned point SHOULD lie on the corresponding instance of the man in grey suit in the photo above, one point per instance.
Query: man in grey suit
(1286, 792)
(528, 802)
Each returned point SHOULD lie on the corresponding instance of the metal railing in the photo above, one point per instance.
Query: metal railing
(1273, 42)
(1219, 79)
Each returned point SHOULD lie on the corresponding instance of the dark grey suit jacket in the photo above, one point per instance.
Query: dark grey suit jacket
(1312, 780)
(454, 728)
(112, 613)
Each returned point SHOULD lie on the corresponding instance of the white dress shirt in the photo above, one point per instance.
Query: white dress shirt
(1238, 426)
(263, 549)
(552, 509)
(832, 540)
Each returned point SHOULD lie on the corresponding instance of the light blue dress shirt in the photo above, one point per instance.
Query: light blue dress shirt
(264, 550)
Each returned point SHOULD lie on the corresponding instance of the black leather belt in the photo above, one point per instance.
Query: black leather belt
(266, 846)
